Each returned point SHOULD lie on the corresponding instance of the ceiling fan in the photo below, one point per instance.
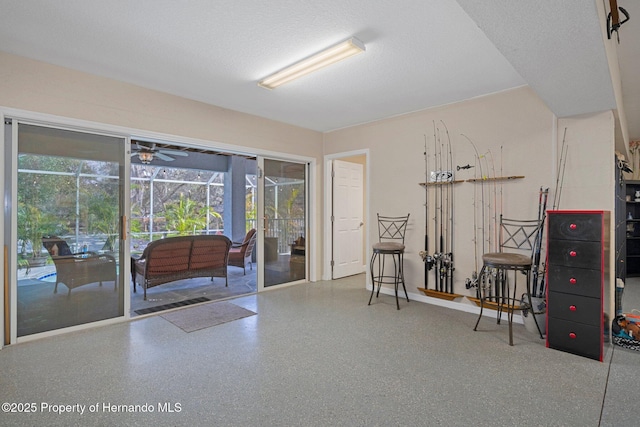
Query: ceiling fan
(146, 153)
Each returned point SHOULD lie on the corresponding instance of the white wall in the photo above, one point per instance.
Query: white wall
(589, 174)
(515, 123)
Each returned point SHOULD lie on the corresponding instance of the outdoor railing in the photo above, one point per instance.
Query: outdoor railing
(287, 230)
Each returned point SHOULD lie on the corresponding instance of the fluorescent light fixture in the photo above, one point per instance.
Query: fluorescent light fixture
(315, 62)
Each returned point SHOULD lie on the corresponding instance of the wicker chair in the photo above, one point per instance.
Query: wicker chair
(240, 253)
(78, 269)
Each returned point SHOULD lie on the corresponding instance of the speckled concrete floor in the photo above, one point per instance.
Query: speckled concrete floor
(315, 355)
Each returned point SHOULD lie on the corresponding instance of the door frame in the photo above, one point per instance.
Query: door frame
(260, 241)
(328, 208)
(4, 301)
(43, 120)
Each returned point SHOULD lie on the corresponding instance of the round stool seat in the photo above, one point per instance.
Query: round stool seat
(502, 259)
(388, 247)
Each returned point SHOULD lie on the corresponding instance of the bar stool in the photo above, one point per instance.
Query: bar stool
(514, 234)
(391, 231)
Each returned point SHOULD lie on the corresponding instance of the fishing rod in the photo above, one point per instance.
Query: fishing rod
(564, 165)
(451, 214)
(558, 189)
(428, 261)
(501, 183)
(436, 173)
(496, 222)
(444, 209)
(450, 199)
(471, 282)
(475, 280)
(492, 224)
(441, 252)
(426, 214)
(536, 260)
(542, 209)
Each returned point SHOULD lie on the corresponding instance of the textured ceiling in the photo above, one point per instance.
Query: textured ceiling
(559, 51)
(419, 54)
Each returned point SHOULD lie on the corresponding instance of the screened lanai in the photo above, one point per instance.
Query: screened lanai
(70, 193)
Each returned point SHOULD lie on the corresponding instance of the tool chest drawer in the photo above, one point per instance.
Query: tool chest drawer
(577, 281)
(575, 253)
(578, 226)
(576, 338)
(575, 308)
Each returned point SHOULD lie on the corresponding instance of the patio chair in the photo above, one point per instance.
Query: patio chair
(298, 246)
(78, 269)
(240, 253)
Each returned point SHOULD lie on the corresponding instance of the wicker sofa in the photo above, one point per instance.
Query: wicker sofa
(183, 257)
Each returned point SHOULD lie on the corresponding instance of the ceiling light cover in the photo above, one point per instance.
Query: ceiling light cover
(315, 62)
(145, 157)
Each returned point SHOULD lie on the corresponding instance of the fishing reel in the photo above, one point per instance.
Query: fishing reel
(446, 264)
(443, 263)
(438, 259)
(428, 260)
(447, 261)
(471, 282)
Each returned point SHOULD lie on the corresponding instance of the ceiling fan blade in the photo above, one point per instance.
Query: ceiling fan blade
(173, 152)
(163, 157)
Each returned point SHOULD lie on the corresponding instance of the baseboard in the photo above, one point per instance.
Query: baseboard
(464, 304)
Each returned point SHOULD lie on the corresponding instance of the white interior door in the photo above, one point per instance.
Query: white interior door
(348, 221)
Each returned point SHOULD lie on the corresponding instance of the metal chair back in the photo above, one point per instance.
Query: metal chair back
(521, 235)
(392, 228)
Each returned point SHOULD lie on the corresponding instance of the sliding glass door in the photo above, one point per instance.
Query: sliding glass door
(68, 206)
(284, 226)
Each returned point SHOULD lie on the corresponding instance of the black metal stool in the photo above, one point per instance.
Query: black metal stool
(514, 234)
(391, 231)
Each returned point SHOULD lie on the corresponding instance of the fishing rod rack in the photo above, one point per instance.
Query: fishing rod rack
(439, 210)
(497, 178)
(438, 253)
(487, 210)
(441, 262)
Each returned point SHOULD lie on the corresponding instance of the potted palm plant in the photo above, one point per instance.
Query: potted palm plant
(33, 224)
(187, 216)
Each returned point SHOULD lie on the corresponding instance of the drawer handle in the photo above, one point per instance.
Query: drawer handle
(573, 253)
(573, 308)
(573, 281)
(572, 335)
(573, 226)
